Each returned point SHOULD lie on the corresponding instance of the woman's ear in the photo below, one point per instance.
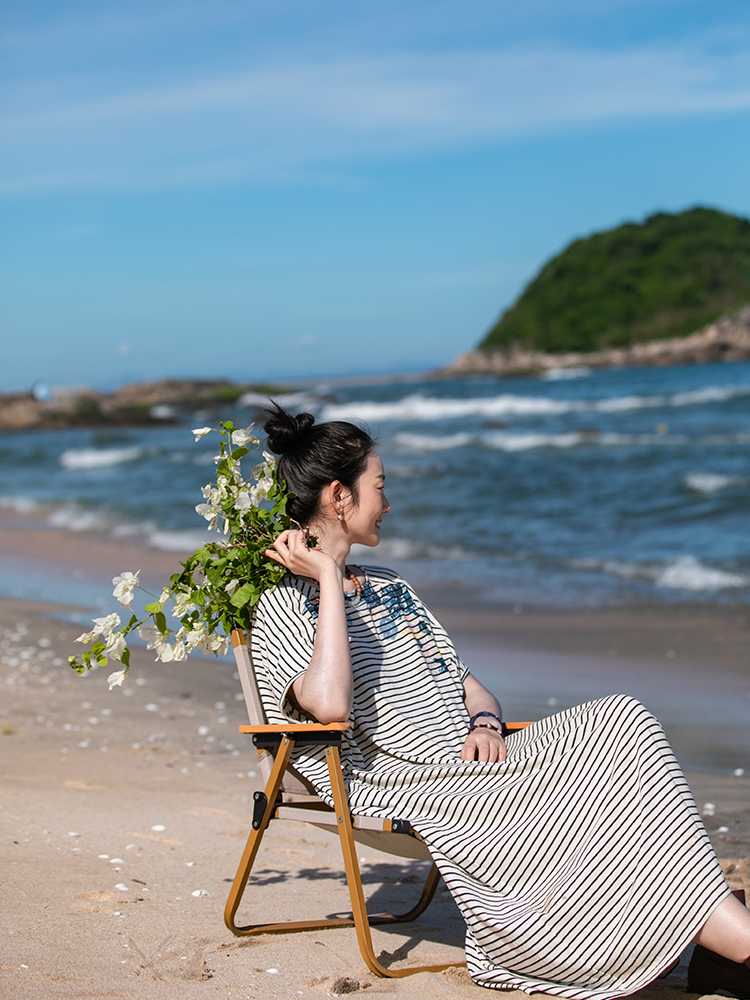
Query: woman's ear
(334, 494)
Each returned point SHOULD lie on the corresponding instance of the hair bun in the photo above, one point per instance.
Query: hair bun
(286, 432)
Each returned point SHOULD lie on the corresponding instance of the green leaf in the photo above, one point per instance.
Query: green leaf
(239, 453)
(161, 622)
(241, 596)
(154, 608)
(125, 658)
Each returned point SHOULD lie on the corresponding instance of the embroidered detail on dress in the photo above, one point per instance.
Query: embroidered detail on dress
(394, 611)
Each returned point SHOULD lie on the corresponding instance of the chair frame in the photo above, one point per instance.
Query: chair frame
(393, 835)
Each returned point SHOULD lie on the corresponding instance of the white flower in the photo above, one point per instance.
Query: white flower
(151, 635)
(261, 490)
(232, 586)
(221, 644)
(243, 437)
(271, 461)
(179, 652)
(182, 605)
(115, 645)
(243, 501)
(201, 432)
(116, 679)
(165, 595)
(124, 587)
(210, 513)
(164, 652)
(199, 638)
(102, 626)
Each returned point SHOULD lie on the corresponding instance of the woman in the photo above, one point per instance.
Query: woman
(573, 849)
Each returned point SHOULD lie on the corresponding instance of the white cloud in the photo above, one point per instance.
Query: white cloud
(286, 117)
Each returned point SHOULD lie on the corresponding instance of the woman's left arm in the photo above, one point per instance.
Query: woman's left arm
(484, 744)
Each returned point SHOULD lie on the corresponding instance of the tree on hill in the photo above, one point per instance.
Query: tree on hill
(665, 277)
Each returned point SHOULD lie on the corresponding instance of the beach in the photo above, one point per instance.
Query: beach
(125, 812)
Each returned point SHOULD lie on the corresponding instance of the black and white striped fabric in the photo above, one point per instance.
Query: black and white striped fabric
(580, 864)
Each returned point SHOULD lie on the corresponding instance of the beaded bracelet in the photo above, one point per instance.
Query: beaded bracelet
(483, 725)
(490, 715)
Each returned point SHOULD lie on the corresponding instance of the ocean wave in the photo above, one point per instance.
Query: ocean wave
(71, 517)
(97, 458)
(565, 374)
(425, 442)
(683, 573)
(504, 441)
(421, 408)
(177, 541)
(709, 482)
(398, 549)
(687, 573)
(425, 408)
(524, 442)
(21, 505)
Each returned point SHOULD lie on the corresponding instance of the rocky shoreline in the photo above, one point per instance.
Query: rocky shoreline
(135, 404)
(727, 339)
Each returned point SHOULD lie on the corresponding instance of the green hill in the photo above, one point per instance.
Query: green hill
(665, 277)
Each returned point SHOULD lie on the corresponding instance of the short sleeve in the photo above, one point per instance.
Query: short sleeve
(282, 642)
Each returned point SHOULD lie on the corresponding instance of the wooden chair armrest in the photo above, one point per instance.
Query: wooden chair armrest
(306, 727)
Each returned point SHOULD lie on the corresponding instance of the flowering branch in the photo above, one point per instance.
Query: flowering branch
(220, 582)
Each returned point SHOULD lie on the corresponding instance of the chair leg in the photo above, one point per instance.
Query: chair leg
(354, 880)
(248, 859)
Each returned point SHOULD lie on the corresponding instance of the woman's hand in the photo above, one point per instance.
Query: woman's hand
(485, 745)
(291, 550)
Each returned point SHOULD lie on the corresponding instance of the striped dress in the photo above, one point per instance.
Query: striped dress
(580, 864)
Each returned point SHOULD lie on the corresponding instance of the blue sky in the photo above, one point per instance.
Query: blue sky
(292, 188)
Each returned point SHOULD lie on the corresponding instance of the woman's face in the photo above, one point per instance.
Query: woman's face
(363, 518)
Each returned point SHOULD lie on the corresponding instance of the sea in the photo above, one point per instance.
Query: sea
(574, 489)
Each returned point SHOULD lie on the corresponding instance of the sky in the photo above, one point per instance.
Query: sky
(305, 188)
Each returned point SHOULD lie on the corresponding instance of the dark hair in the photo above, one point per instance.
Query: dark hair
(313, 455)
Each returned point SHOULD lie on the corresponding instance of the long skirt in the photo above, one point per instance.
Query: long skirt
(580, 865)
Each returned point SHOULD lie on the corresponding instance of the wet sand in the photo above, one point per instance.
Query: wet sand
(117, 806)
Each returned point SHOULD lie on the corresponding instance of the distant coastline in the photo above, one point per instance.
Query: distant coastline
(137, 404)
(726, 339)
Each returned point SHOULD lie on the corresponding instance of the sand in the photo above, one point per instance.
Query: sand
(117, 807)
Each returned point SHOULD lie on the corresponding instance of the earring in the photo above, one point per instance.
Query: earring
(340, 516)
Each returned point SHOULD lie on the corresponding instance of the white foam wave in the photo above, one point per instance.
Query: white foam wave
(683, 573)
(523, 442)
(395, 549)
(21, 505)
(74, 518)
(687, 573)
(424, 408)
(565, 374)
(418, 407)
(177, 541)
(709, 482)
(504, 441)
(97, 458)
(423, 442)
(709, 394)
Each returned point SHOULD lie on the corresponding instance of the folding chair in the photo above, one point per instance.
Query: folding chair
(288, 795)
